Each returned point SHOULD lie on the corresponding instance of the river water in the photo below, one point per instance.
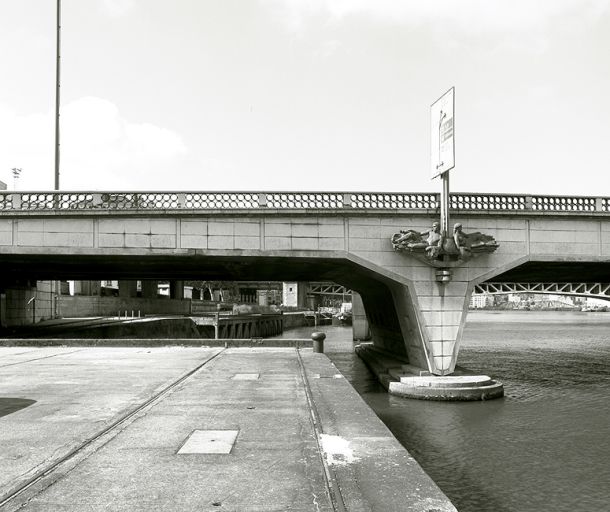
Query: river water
(545, 446)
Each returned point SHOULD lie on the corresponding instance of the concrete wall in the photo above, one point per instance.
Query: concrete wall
(292, 320)
(158, 328)
(17, 307)
(81, 307)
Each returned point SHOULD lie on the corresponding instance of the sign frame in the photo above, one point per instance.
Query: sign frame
(442, 134)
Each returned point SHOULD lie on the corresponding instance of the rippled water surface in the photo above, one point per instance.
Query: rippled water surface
(545, 446)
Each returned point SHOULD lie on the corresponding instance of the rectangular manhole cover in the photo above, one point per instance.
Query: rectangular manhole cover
(209, 441)
(246, 376)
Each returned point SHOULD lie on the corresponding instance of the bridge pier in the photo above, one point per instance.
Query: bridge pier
(415, 356)
(27, 302)
(176, 289)
(149, 288)
(442, 309)
(418, 321)
(128, 289)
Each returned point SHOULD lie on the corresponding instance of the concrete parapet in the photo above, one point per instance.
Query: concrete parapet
(83, 306)
(99, 329)
(239, 326)
(155, 342)
(293, 319)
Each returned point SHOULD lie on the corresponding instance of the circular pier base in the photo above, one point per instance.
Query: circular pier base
(462, 387)
(403, 379)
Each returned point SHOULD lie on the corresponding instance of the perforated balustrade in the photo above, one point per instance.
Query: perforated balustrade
(221, 200)
(395, 201)
(558, 204)
(57, 201)
(306, 200)
(6, 202)
(488, 202)
(41, 201)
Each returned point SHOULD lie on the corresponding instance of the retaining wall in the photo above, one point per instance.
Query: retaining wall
(82, 306)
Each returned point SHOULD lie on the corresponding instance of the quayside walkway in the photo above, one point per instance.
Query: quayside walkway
(185, 429)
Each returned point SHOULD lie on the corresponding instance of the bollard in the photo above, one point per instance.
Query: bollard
(318, 341)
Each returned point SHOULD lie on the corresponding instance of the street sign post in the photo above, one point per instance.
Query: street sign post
(442, 148)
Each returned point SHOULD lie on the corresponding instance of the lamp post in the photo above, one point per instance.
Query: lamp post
(16, 173)
(57, 69)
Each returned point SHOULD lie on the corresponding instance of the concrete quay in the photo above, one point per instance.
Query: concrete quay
(195, 428)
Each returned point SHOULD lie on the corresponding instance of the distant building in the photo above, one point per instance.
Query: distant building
(481, 300)
(290, 294)
(2, 185)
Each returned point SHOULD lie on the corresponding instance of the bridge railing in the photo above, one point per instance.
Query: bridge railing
(44, 201)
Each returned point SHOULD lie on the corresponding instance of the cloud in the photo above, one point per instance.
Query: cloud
(100, 149)
(465, 16)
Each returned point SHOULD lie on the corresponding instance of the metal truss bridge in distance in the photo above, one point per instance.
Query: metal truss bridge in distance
(594, 290)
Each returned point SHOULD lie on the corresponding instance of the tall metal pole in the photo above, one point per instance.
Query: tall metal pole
(57, 69)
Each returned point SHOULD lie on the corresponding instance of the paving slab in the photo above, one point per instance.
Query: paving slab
(72, 394)
(299, 442)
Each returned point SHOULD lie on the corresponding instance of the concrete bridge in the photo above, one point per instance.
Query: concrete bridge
(338, 237)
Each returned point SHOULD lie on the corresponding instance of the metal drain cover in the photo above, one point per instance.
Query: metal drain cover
(209, 441)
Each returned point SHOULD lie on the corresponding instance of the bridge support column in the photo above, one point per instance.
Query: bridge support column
(441, 309)
(128, 289)
(28, 302)
(89, 288)
(149, 288)
(419, 323)
(302, 294)
(176, 289)
(360, 325)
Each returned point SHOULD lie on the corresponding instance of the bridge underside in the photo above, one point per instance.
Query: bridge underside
(376, 290)
(391, 310)
(174, 266)
(557, 271)
(341, 271)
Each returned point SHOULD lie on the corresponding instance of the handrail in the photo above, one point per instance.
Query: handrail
(137, 200)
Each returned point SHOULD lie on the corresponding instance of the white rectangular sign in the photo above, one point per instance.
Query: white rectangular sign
(442, 146)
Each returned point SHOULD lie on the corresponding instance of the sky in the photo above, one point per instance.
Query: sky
(306, 95)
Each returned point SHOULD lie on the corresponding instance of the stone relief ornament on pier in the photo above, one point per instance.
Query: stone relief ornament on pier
(433, 248)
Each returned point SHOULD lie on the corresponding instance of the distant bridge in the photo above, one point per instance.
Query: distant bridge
(594, 290)
(328, 289)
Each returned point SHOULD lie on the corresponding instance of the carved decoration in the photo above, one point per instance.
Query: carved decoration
(431, 247)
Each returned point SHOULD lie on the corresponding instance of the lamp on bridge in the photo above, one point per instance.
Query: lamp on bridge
(16, 175)
(444, 275)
